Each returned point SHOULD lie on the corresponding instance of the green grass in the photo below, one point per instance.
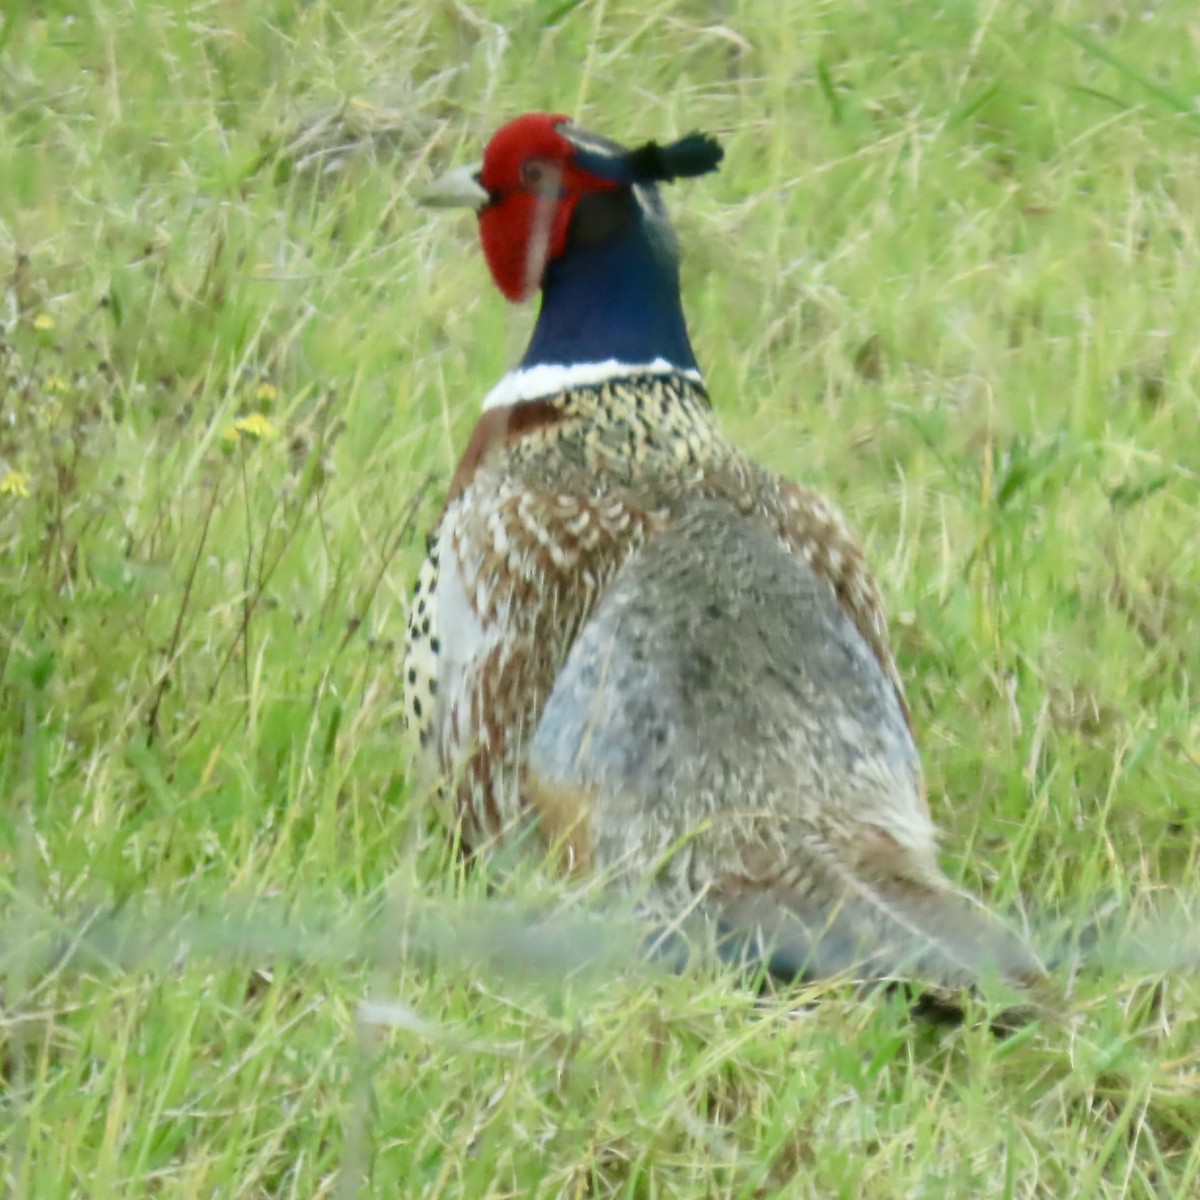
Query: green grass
(948, 272)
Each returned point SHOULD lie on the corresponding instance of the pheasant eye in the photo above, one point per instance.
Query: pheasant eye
(534, 173)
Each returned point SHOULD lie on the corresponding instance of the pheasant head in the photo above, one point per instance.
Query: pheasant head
(579, 218)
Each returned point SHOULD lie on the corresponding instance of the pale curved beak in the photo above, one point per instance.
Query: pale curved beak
(459, 188)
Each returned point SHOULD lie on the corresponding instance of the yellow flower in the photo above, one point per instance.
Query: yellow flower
(267, 393)
(56, 385)
(43, 322)
(14, 483)
(253, 425)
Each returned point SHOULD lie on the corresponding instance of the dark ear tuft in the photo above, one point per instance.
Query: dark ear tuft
(695, 154)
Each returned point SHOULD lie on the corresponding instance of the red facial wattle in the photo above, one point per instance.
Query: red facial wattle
(524, 227)
(520, 235)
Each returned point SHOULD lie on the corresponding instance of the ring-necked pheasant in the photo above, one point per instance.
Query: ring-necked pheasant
(670, 661)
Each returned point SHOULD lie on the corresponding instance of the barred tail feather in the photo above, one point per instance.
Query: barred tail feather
(832, 915)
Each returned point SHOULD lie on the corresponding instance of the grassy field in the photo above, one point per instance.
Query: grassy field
(949, 272)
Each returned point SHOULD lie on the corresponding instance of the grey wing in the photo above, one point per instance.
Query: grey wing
(720, 680)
